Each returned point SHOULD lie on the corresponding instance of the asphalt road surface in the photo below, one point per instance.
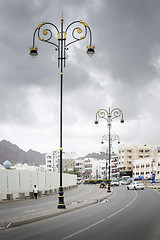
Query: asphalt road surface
(127, 215)
(18, 208)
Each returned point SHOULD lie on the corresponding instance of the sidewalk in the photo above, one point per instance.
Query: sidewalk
(100, 196)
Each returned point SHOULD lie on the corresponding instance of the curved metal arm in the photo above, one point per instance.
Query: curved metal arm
(79, 31)
(46, 31)
(113, 137)
(116, 112)
(102, 113)
(109, 115)
(45, 34)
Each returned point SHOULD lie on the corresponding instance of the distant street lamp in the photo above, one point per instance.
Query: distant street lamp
(46, 29)
(109, 116)
(110, 139)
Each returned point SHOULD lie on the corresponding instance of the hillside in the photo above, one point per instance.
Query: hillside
(14, 154)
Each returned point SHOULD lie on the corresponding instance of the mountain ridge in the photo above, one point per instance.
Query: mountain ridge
(14, 154)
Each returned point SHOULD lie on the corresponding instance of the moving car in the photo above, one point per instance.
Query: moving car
(115, 183)
(123, 182)
(135, 186)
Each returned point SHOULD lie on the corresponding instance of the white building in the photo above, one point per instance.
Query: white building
(94, 168)
(80, 166)
(25, 167)
(145, 167)
(127, 154)
(114, 166)
(53, 161)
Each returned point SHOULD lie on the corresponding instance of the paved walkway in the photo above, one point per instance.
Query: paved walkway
(100, 195)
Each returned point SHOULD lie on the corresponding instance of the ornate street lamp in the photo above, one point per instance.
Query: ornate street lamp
(47, 29)
(110, 139)
(109, 116)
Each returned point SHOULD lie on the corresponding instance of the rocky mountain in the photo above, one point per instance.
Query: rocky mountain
(14, 154)
(101, 155)
(95, 155)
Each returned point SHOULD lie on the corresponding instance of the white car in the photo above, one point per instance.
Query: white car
(135, 186)
(115, 183)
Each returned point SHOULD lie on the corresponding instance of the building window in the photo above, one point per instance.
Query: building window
(129, 151)
(141, 151)
(147, 150)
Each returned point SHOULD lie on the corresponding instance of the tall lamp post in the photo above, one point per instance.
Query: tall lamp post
(78, 32)
(110, 139)
(109, 116)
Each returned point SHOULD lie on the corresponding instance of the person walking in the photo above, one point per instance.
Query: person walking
(35, 191)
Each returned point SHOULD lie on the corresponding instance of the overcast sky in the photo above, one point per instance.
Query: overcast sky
(124, 73)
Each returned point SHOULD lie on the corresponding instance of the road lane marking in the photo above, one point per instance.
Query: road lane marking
(123, 207)
(27, 211)
(84, 229)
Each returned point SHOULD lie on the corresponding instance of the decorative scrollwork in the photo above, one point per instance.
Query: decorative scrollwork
(113, 137)
(102, 113)
(116, 112)
(77, 31)
(106, 137)
(46, 34)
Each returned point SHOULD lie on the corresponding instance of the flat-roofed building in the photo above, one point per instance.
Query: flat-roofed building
(127, 154)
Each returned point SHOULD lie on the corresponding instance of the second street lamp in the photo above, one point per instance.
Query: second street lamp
(109, 116)
(45, 33)
(110, 139)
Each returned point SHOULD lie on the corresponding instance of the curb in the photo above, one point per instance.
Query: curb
(150, 187)
(21, 221)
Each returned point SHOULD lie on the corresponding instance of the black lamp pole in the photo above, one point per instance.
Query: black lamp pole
(109, 116)
(110, 138)
(46, 29)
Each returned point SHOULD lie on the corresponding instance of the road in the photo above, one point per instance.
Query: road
(127, 215)
(21, 208)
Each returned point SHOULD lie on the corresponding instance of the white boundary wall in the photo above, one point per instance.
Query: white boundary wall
(17, 182)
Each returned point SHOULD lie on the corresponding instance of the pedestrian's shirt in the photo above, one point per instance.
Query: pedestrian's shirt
(35, 190)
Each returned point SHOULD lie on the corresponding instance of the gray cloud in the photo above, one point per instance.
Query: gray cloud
(123, 73)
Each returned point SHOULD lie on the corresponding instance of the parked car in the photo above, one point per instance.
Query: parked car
(115, 183)
(135, 186)
(78, 181)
